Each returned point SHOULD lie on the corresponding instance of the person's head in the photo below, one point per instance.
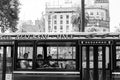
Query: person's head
(26, 55)
(39, 56)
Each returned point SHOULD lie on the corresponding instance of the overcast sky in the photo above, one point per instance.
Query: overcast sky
(32, 9)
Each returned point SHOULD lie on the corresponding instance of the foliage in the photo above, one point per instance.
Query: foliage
(76, 19)
(9, 14)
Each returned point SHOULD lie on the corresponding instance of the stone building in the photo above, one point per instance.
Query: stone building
(58, 19)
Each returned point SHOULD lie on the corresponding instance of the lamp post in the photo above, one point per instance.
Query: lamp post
(82, 16)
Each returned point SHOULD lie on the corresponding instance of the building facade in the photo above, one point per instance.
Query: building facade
(99, 18)
(59, 19)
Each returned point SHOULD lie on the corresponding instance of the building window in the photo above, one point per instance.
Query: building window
(55, 16)
(61, 31)
(102, 14)
(61, 22)
(67, 28)
(49, 17)
(55, 22)
(61, 16)
(91, 13)
(67, 22)
(104, 30)
(67, 16)
(55, 31)
(49, 29)
(97, 13)
(55, 27)
(61, 27)
(49, 22)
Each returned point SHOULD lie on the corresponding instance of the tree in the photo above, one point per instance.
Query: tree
(76, 19)
(9, 14)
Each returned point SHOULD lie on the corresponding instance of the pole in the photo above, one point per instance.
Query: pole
(83, 15)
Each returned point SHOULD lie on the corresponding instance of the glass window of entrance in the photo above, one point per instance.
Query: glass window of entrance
(24, 57)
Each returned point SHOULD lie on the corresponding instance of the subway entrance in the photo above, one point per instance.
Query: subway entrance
(95, 62)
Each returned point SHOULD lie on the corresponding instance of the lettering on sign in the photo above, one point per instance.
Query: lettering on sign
(44, 36)
(31, 37)
(56, 36)
(64, 36)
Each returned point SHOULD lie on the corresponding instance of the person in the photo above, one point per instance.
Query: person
(55, 64)
(39, 63)
(25, 56)
(69, 65)
(24, 64)
(47, 62)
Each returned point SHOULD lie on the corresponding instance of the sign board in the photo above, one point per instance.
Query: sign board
(8, 77)
(59, 36)
(6, 42)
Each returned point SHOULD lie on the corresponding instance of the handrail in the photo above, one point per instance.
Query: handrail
(115, 72)
(47, 72)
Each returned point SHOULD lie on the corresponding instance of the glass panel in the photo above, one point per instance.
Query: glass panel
(100, 74)
(91, 56)
(69, 65)
(107, 57)
(118, 64)
(118, 56)
(24, 56)
(25, 52)
(25, 64)
(66, 52)
(100, 56)
(61, 52)
(73, 52)
(117, 52)
(1, 62)
(84, 57)
(40, 53)
(52, 51)
(100, 65)
(107, 63)
(8, 60)
(63, 58)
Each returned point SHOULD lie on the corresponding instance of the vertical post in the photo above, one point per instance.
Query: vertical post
(87, 62)
(4, 63)
(95, 74)
(83, 15)
(34, 54)
(104, 62)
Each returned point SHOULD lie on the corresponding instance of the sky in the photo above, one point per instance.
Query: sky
(33, 9)
(114, 14)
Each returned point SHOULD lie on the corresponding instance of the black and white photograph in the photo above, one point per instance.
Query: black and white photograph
(59, 40)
